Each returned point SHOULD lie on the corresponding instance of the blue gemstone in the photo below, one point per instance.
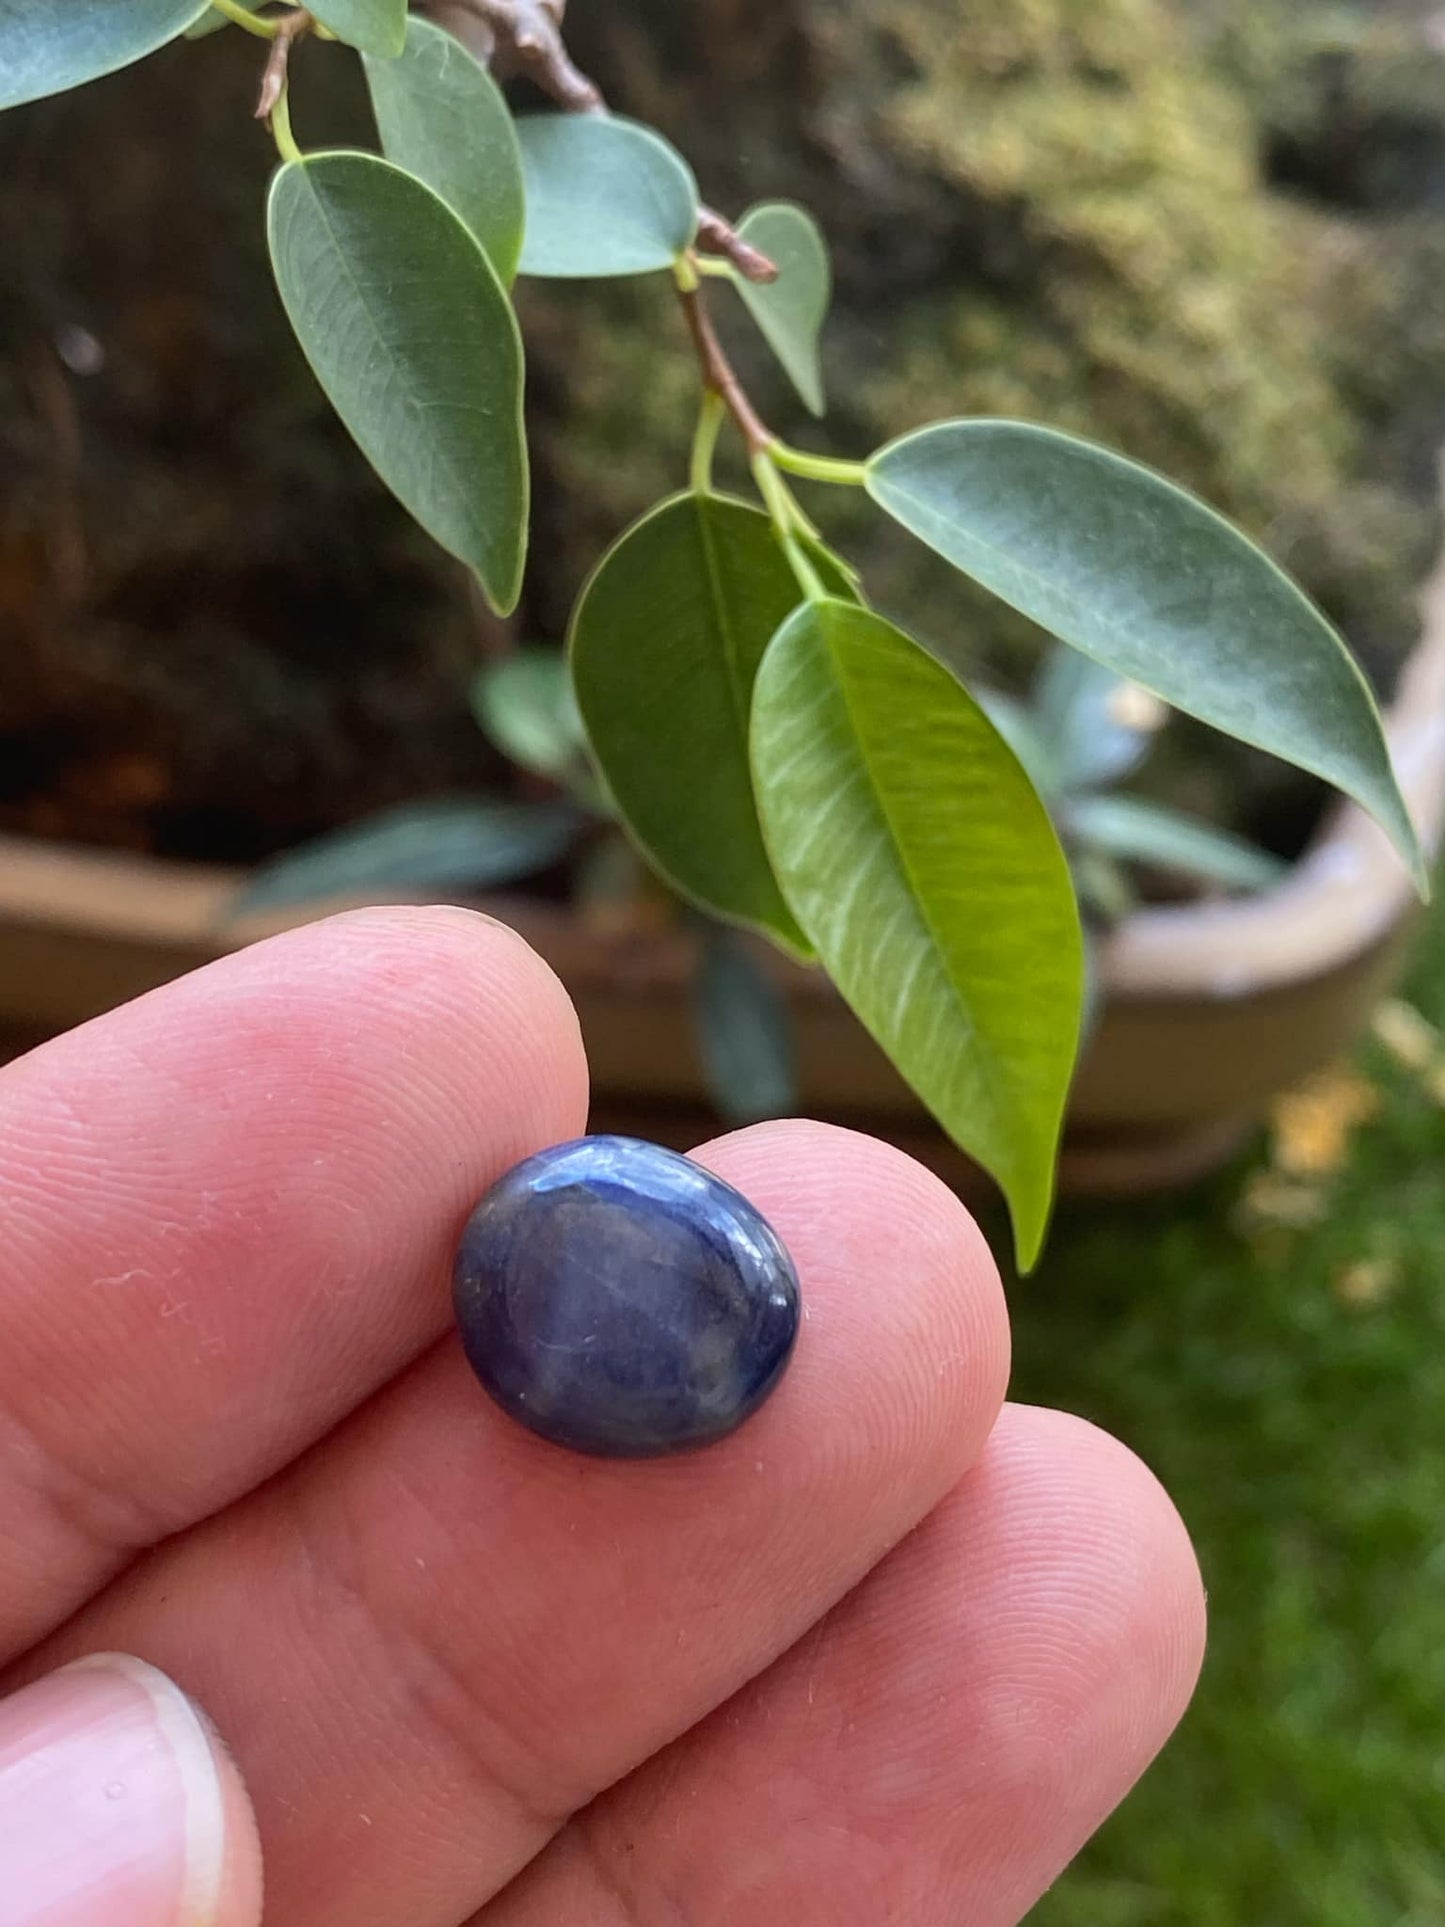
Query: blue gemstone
(619, 1299)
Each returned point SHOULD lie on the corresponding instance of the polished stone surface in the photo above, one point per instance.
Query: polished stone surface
(619, 1299)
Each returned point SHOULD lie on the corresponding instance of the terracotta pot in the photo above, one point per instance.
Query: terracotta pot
(1209, 1009)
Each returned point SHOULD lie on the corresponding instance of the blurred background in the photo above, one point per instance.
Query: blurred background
(1208, 232)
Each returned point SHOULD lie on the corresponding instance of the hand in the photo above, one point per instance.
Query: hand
(889, 1653)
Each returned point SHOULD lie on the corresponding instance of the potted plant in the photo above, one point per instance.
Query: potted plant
(787, 758)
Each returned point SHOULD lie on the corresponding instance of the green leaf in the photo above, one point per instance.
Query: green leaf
(453, 844)
(917, 856)
(1144, 832)
(413, 338)
(375, 26)
(791, 310)
(666, 641)
(210, 22)
(604, 196)
(1149, 581)
(526, 705)
(49, 46)
(1106, 897)
(1081, 713)
(1019, 729)
(744, 1033)
(442, 117)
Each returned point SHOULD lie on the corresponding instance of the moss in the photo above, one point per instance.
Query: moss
(1060, 210)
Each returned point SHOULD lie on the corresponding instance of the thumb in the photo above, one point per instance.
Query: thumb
(119, 1804)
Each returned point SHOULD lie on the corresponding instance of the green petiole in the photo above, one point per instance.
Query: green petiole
(819, 468)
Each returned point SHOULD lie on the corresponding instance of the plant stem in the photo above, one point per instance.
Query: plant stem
(802, 522)
(809, 581)
(819, 468)
(709, 426)
(280, 118)
(786, 525)
(719, 237)
(717, 371)
(275, 79)
(243, 17)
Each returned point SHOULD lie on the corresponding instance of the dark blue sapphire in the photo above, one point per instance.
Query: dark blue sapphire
(619, 1299)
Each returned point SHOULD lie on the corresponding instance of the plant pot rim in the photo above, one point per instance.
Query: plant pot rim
(1345, 896)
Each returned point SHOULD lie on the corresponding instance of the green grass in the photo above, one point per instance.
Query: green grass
(1303, 1438)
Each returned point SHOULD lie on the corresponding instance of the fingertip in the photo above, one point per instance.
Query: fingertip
(887, 1253)
(1103, 1521)
(118, 1801)
(469, 970)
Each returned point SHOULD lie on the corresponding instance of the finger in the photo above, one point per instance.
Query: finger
(943, 1745)
(229, 1210)
(119, 1805)
(439, 1636)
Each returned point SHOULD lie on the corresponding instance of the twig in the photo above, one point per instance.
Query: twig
(289, 29)
(717, 236)
(719, 375)
(521, 38)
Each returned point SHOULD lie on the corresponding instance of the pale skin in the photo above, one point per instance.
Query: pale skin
(890, 1653)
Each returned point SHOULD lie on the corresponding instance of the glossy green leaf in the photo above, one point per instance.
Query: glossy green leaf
(744, 1033)
(526, 706)
(604, 196)
(791, 310)
(1149, 581)
(453, 844)
(666, 641)
(48, 46)
(917, 856)
(375, 26)
(412, 336)
(1145, 832)
(442, 117)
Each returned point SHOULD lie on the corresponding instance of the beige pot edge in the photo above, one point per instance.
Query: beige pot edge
(1208, 1011)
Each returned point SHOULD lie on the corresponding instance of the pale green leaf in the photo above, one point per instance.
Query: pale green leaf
(744, 1033)
(791, 310)
(48, 46)
(451, 844)
(375, 26)
(525, 704)
(1082, 712)
(666, 641)
(412, 336)
(442, 117)
(1146, 579)
(604, 196)
(1145, 832)
(916, 854)
(1106, 897)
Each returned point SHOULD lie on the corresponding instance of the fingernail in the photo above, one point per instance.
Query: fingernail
(118, 1805)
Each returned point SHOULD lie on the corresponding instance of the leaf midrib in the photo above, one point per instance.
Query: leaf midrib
(1312, 765)
(725, 626)
(415, 404)
(984, 1047)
